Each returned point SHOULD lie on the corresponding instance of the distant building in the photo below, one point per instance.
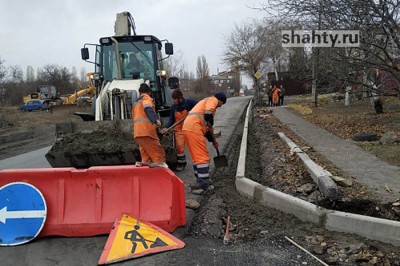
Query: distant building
(186, 83)
(227, 82)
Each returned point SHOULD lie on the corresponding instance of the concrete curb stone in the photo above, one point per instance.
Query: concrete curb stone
(320, 176)
(383, 230)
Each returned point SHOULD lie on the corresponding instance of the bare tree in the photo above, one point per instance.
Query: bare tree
(14, 84)
(246, 50)
(3, 70)
(298, 63)
(202, 84)
(175, 65)
(374, 65)
(276, 56)
(16, 74)
(60, 77)
(202, 69)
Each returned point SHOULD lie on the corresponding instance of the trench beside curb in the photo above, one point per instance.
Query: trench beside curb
(383, 230)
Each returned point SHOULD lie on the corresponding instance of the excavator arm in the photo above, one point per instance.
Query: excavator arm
(90, 89)
(72, 99)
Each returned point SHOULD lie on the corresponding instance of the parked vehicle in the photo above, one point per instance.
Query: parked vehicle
(34, 105)
(44, 92)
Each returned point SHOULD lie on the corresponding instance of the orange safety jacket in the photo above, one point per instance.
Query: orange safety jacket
(142, 126)
(275, 95)
(195, 120)
(179, 116)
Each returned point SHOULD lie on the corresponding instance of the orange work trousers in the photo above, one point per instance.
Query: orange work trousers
(275, 98)
(150, 150)
(179, 141)
(196, 143)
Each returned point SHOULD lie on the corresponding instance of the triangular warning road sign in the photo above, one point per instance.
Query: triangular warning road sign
(131, 238)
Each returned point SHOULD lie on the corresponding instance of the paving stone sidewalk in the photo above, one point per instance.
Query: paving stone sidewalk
(366, 168)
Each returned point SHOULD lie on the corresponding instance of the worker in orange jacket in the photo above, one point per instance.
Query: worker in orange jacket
(275, 96)
(179, 110)
(145, 124)
(199, 124)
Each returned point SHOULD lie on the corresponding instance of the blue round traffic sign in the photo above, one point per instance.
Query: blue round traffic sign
(22, 213)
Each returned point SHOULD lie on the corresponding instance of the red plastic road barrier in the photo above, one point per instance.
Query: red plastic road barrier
(86, 202)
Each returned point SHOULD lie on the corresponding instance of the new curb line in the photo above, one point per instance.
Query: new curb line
(320, 176)
(383, 230)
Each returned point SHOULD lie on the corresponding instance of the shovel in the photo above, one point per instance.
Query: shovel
(160, 135)
(220, 160)
(175, 124)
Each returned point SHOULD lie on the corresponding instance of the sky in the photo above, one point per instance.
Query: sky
(42, 32)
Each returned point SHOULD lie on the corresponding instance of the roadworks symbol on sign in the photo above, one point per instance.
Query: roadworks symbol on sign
(131, 238)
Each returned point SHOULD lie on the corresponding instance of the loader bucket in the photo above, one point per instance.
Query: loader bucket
(99, 143)
(87, 160)
(87, 202)
(65, 128)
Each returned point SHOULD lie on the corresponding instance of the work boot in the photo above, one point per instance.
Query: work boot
(140, 164)
(200, 191)
(197, 186)
(159, 164)
(180, 166)
(210, 188)
(197, 191)
(194, 186)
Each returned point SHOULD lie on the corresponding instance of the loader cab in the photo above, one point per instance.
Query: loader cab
(114, 57)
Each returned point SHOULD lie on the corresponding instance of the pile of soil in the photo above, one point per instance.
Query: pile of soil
(111, 147)
(102, 142)
(270, 163)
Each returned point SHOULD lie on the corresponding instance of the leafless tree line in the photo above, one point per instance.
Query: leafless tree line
(256, 47)
(374, 65)
(197, 84)
(378, 23)
(15, 84)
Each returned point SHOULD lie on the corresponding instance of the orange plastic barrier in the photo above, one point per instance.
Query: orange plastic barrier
(86, 202)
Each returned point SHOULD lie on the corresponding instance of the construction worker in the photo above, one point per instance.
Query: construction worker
(179, 111)
(133, 62)
(199, 124)
(275, 96)
(269, 93)
(145, 124)
(134, 69)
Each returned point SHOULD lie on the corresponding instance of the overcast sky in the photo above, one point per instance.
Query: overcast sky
(41, 32)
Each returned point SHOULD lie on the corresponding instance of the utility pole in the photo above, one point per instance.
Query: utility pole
(257, 76)
(315, 64)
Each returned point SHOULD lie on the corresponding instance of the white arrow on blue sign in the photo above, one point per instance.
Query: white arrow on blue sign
(23, 213)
